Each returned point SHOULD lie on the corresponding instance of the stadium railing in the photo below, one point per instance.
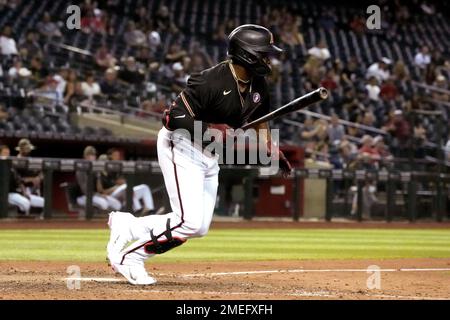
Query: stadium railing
(411, 183)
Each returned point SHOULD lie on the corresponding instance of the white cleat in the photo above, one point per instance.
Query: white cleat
(119, 224)
(136, 275)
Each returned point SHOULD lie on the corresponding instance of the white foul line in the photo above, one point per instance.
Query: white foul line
(311, 270)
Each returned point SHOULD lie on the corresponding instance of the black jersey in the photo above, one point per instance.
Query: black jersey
(212, 96)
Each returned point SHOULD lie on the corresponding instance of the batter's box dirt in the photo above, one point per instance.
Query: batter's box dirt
(342, 279)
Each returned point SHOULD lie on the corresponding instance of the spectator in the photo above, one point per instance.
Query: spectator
(180, 77)
(31, 46)
(373, 90)
(99, 200)
(3, 114)
(336, 131)
(422, 58)
(134, 37)
(163, 21)
(73, 86)
(400, 71)
(441, 83)
(399, 128)
(90, 87)
(348, 153)
(131, 73)
(383, 152)
(104, 59)
(358, 24)
(38, 69)
(389, 90)
(330, 80)
(320, 51)
(8, 45)
(94, 21)
(154, 40)
(379, 70)
(48, 28)
(313, 132)
(367, 154)
(141, 193)
(109, 85)
(5, 152)
(29, 180)
(175, 53)
(18, 70)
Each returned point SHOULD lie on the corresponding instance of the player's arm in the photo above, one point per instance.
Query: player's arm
(285, 166)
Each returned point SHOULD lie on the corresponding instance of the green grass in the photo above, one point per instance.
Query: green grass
(237, 245)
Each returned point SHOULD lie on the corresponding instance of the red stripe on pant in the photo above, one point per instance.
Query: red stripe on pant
(179, 199)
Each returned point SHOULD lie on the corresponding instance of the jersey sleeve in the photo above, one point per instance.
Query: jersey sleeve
(198, 93)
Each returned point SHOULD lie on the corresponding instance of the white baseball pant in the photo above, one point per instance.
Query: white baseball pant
(191, 180)
(140, 192)
(24, 203)
(102, 202)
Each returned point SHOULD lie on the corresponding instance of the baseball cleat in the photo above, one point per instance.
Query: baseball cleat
(119, 224)
(136, 275)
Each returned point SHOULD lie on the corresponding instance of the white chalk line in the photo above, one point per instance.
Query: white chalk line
(215, 274)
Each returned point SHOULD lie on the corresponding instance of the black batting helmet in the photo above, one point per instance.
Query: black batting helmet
(249, 45)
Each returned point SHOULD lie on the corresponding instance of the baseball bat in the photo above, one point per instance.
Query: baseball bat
(295, 105)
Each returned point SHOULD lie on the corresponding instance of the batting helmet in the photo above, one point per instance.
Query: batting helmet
(249, 45)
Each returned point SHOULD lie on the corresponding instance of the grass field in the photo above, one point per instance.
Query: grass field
(237, 245)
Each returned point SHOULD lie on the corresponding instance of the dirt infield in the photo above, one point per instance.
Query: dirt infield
(301, 279)
(399, 279)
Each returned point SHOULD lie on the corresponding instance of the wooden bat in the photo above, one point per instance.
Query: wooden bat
(295, 105)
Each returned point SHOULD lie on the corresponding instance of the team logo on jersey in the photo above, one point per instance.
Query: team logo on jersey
(256, 97)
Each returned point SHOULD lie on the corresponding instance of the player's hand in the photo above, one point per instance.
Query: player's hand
(285, 166)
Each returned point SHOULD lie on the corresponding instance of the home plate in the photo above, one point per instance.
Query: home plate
(94, 279)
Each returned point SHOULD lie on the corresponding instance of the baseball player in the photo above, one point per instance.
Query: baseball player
(233, 92)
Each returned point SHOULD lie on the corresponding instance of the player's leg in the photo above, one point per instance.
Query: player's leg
(18, 200)
(142, 192)
(210, 186)
(36, 201)
(113, 203)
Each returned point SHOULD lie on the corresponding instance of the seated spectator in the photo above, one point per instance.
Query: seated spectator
(422, 58)
(104, 59)
(163, 21)
(29, 180)
(38, 69)
(388, 90)
(18, 70)
(145, 57)
(373, 90)
(130, 72)
(141, 193)
(30, 47)
(90, 87)
(3, 113)
(330, 81)
(382, 149)
(379, 70)
(367, 154)
(348, 153)
(175, 53)
(320, 51)
(336, 131)
(94, 21)
(313, 132)
(351, 72)
(358, 24)
(399, 128)
(441, 83)
(73, 86)
(350, 104)
(8, 45)
(134, 37)
(109, 85)
(179, 78)
(154, 40)
(5, 152)
(99, 200)
(48, 28)
(400, 71)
